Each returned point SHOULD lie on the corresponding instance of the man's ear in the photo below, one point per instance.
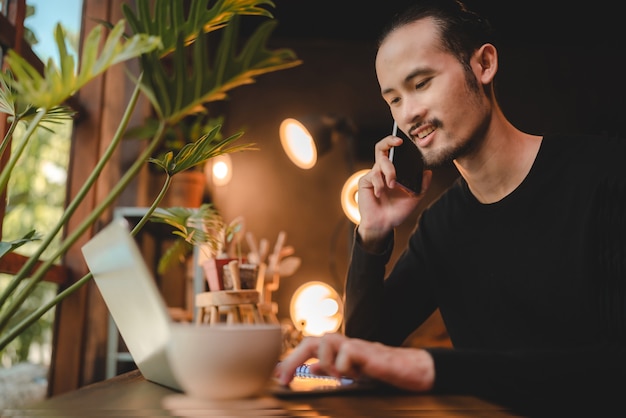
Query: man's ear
(485, 63)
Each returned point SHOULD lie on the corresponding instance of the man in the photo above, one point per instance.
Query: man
(524, 255)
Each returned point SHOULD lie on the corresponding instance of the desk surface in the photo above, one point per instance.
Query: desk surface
(131, 395)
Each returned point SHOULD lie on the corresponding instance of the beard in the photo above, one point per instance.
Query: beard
(455, 148)
(443, 157)
(435, 158)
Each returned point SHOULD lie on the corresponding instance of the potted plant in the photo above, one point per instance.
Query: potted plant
(179, 75)
(187, 188)
(202, 226)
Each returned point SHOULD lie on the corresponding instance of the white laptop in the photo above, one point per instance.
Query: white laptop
(133, 299)
(139, 311)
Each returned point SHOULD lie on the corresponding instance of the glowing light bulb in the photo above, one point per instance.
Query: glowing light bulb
(316, 309)
(221, 170)
(298, 143)
(350, 196)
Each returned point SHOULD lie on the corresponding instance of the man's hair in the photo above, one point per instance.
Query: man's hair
(462, 31)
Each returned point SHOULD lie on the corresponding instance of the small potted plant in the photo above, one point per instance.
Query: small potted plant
(203, 227)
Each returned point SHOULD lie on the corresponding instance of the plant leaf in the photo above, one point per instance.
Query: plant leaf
(174, 253)
(9, 246)
(7, 94)
(167, 20)
(198, 152)
(59, 84)
(196, 226)
(190, 80)
(9, 104)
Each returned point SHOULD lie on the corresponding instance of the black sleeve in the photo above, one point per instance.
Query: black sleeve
(363, 292)
(569, 382)
(389, 309)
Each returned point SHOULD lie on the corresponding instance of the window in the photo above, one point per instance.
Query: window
(37, 187)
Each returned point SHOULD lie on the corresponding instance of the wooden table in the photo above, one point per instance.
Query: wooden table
(131, 395)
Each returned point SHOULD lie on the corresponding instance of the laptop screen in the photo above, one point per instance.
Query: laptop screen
(133, 299)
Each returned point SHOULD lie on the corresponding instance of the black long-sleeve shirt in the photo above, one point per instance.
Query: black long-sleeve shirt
(532, 288)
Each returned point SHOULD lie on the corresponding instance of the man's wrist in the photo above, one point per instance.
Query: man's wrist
(373, 242)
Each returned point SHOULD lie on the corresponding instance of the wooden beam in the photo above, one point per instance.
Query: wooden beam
(11, 263)
(7, 32)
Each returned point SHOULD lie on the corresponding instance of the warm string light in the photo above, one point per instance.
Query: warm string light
(316, 309)
(350, 198)
(309, 137)
(298, 143)
(221, 170)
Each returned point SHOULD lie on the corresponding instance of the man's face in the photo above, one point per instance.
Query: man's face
(427, 91)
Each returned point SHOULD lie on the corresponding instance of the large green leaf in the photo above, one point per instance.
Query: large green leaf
(167, 20)
(15, 107)
(180, 87)
(56, 85)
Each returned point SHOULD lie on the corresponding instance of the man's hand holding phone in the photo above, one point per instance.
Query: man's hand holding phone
(383, 208)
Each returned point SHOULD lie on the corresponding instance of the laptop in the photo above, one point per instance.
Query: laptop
(133, 299)
(139, 311)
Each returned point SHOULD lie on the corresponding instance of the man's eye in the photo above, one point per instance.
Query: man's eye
(422, 84)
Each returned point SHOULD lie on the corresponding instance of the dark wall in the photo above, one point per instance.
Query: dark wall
(546, 82)
(272, 193)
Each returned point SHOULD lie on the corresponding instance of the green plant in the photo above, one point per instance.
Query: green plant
(180, 74)
(202, 226)
(187, 131)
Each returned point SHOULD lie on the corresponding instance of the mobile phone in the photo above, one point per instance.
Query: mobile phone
(407, 159)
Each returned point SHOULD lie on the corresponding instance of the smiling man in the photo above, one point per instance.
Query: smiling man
(524, 255)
